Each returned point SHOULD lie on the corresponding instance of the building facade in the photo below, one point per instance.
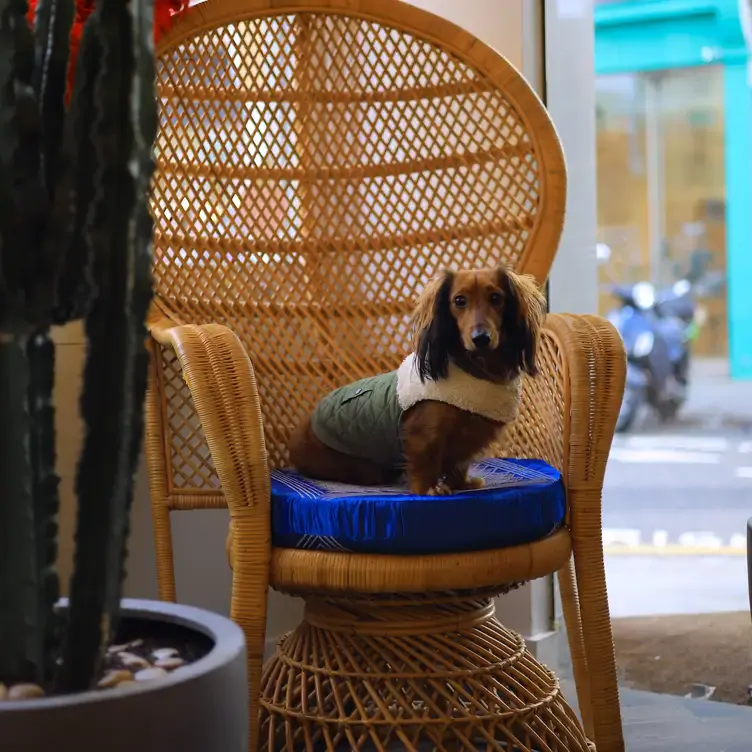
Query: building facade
(674, 146)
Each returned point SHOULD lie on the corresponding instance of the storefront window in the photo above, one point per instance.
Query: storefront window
(661, 185)
(622, 191)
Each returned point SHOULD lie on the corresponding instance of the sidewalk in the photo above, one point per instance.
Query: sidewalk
(716, 401)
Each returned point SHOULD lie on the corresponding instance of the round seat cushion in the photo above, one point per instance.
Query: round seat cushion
(522, 501)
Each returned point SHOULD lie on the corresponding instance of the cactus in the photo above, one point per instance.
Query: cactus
(28, 486)
(114, 380)
(75, 242)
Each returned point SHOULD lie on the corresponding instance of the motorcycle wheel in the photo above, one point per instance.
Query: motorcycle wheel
(630, 406)
(668, 411)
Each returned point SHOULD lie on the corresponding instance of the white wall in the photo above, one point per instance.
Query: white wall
(69, 369)
(570, 97)
(498, 23)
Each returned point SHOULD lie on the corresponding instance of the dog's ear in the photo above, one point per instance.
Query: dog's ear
(434, 328)
(522, 318)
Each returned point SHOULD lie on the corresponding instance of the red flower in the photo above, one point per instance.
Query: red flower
(165, 12)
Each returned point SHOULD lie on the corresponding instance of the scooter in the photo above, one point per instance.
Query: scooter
(657, 329)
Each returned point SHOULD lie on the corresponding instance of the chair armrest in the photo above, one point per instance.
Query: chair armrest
(221, 379)
(596, 365)
(569, 410)
(223, 387)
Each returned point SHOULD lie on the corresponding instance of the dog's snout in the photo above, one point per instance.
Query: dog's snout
(481, 338)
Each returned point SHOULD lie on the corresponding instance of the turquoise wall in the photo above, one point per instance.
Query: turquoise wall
(641, 35)
(655, 34)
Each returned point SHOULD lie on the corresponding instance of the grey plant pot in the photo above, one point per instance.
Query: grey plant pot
(202, 707)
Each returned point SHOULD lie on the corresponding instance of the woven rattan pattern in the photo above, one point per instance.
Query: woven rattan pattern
(540, 428)
(191, 461)
(451, 675)
(313, 172)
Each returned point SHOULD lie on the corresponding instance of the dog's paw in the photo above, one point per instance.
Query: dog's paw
(440, 489)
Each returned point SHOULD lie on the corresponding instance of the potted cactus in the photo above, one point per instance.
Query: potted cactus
(76, 140)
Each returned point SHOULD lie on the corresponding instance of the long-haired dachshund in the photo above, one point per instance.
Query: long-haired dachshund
(476, 332)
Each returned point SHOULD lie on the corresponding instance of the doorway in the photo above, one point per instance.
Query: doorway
(661, 186)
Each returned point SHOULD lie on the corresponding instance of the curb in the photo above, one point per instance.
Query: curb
(714, 420)
(672, 549)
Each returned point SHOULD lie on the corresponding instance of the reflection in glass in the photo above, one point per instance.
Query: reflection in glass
(661, 185)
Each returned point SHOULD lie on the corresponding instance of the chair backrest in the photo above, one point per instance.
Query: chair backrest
(317, 162)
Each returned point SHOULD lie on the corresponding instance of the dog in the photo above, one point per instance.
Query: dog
(475, 334)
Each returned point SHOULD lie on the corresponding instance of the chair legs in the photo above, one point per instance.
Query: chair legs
(571, 607)
(434, 670)
(253, 623)
(588, 621)
(248, 607)
(160, 515)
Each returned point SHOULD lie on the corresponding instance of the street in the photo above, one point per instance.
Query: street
(676, 503)
(675, 491)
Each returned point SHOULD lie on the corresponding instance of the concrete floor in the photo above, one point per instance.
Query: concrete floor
(666, 723)
(661, 723)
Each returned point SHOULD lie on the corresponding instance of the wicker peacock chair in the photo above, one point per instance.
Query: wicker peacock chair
(318, 162)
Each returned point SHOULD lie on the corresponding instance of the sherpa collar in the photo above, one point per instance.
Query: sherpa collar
(499, 402)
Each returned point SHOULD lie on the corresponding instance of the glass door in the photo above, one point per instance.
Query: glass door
(690, 120)
(661, 186)
(622, 185)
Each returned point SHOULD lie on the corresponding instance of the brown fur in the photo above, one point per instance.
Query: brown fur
(455, 312)
(316, 460)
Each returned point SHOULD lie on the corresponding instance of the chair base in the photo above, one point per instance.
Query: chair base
(417, 672)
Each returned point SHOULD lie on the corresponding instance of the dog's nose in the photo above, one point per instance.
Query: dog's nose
(481, 338)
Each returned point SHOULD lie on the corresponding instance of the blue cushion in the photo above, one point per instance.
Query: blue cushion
(523, 501)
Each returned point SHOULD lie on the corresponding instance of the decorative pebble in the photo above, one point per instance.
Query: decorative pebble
(114, 678)
(129, 662)
(3, 692)
(133, 661)
(25, 692)
(125, 647)
(170, 663)
(149, 673)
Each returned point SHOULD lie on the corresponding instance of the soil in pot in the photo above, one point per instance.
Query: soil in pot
(142, 651)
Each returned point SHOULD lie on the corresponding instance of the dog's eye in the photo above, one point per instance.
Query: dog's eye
(460, 301)
(495, 298)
